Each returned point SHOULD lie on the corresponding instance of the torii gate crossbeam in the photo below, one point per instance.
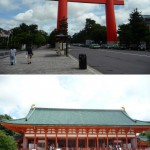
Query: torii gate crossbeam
(110, 15)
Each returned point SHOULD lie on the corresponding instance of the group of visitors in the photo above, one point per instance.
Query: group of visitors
(13, 52)
(52, 147)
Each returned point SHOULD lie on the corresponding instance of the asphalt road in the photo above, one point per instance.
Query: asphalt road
(115, 61)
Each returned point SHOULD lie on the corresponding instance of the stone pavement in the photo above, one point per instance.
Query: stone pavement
(44, 61)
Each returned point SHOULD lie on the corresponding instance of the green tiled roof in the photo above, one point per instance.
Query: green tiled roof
(143, 138)
(77, 117)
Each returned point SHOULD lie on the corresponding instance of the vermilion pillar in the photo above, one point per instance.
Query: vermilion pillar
(62, 11)
(77, 143)
(126, 141)
(87, 139)
(34, 138)
(111, 22)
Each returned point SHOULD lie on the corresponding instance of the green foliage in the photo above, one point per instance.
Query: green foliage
(139, 29)
(148, 136)
(63, 27)
(2, 128)
(136, 31)
(92, 31)
(40, 38)
(27, 34)
(7, 142)
(3, 42)
(52, 37)
(62, 30)
(124, 32)
(142, 134)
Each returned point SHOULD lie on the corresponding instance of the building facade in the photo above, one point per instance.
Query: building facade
(4, 33)
(147, 20)
(77, 129)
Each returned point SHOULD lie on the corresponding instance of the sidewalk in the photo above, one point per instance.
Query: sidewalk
(44, 61)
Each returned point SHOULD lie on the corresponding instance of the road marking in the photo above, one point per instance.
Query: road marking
(126, 53)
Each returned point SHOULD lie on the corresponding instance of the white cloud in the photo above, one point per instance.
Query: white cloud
(44, 13)
(39, 13)
(122, 14)
(18, 93)
(8, 5)
(25, 17)
(8, 24)
(79, 9)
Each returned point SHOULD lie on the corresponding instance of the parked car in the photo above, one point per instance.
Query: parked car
(122, 47)
(115, 46)
(142, 47)
(104, 46)
(94, 46)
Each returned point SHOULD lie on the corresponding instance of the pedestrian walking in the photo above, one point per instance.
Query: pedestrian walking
(12, 56)
(29, 54)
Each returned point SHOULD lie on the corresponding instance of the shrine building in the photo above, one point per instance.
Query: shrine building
(78, 129)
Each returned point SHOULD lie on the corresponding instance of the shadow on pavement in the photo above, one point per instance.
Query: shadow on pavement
(51, 55)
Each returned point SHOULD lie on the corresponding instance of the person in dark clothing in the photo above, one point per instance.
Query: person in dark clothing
(29, 54)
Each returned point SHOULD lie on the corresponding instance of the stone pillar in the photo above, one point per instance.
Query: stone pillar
(111, 22)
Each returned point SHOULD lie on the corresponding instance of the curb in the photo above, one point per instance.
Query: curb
(88, 67)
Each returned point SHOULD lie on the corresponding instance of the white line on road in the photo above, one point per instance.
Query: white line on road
(126, 53)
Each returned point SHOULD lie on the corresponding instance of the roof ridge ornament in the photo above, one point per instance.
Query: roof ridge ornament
(33, 106)
(123, 109)
(32, 110)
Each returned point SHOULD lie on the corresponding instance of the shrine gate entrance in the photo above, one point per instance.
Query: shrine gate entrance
(110, 15)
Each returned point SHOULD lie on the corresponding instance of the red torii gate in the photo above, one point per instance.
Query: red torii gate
(110, 15)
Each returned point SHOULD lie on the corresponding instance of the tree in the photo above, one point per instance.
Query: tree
(27, 34)
(79, 37)
(98, 33)
(7, 142)
(138, 26)
(63, 27)
(148, 136)
(135, 32)
(52, 37)
(91, 31)
(124, 32)
(89, 27)
(40, 38)
(2, 128)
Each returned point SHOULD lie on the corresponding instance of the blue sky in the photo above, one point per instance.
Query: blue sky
(18, 93)
(44, 13)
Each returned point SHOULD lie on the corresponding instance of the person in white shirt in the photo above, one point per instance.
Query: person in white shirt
(12, 56)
